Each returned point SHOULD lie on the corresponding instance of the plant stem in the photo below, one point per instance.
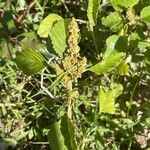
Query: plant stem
(131, 99)
(69, 88)
(94, 41)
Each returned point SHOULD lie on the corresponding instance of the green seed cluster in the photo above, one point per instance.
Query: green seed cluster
(73, 63)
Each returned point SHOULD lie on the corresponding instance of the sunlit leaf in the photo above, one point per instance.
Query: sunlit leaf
(108, 63)
(92, 11)
(123, 69)
(106, 101)
(58, 35)
(108, 96)
(118, 4)
(113, 20)
(46, 25)
(145, 14)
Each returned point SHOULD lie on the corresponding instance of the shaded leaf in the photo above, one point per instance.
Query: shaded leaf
(55, 137)
(30, 61)
(147, 59)
(46, 25)
(108, 63)
(99, 140)
(68, 133)
(115, 44)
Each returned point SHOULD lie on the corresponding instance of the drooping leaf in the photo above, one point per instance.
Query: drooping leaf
(58, 35)
(92, 12)
(55, 137)
(145, 14)
(118, 4)
(113, 20)
(30, 61)
(46, 25)
(68, 133)
(108, 63)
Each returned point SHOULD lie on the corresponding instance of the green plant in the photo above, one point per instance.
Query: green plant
(88, 75)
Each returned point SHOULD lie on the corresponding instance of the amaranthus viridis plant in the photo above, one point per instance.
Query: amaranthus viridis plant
(72, 63)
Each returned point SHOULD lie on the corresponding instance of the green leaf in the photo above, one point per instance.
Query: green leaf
(114, 21)
(58, 79)
(106, 101)
(115, 44)
(92, 11)
(117, 89)
(123, 69)
(68, 133)
(136, 41)
(30, 61)
(125, 3)
(10, 141)
(147, 57)
(22, 135)
(107, 98)
(4, 51)
(110, 45)
(99, 140)
(108, 63)
(46, 25)
(58, 35)
(55, 137)
(145, 14)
